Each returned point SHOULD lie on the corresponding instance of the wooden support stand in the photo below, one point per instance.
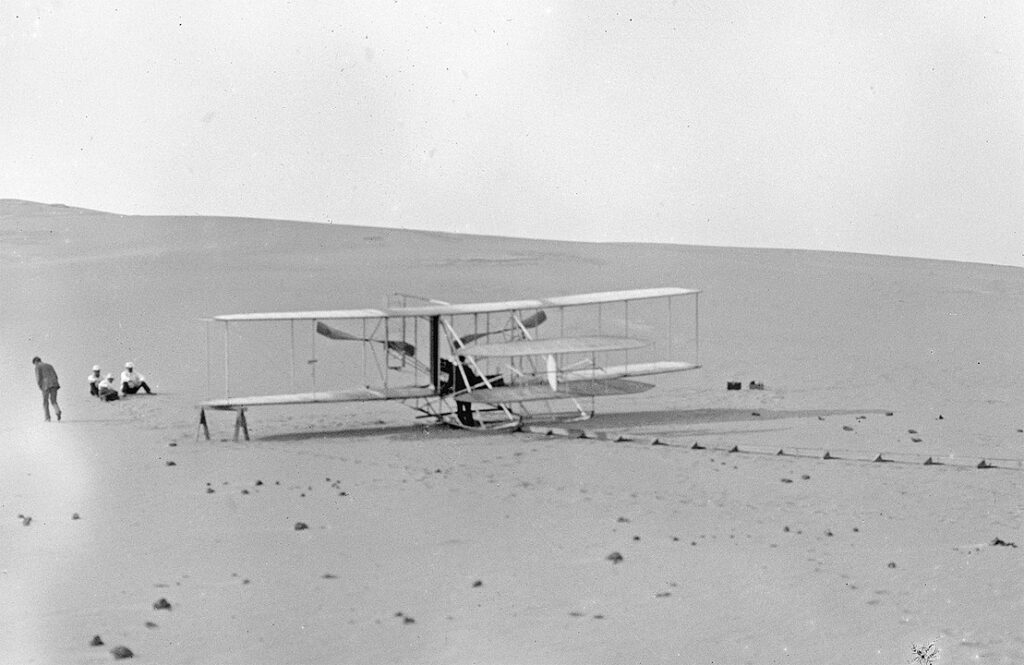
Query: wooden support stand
(240, 424)
(203, 425)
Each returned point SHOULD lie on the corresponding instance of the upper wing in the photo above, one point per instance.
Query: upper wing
(471, 308)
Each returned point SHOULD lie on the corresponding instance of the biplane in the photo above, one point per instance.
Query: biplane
(475, 366)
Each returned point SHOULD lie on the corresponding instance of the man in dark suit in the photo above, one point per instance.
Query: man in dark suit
(46, 378)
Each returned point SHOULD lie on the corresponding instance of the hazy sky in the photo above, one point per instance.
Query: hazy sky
(883, 127)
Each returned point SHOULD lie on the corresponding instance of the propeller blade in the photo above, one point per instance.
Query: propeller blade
(394, 345)
(530, 322)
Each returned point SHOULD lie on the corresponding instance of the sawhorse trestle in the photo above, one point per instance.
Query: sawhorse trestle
(240, 424)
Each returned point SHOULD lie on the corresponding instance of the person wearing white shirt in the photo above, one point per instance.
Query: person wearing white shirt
(106, 389)
(131, 382)
(94, 381)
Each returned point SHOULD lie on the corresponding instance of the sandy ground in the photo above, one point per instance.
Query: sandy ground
(432, 545)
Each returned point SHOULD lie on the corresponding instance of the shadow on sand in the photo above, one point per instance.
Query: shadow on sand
(677, 417)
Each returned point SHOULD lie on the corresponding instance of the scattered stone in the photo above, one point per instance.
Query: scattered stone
(829, 533)
(210, 490)
(623, 520)
(478, 584)
(787, 480)
(25, 520)
(636, 538)
(258, 483)
(75, 516)
(916, 439)
(329, 576)
(614, 557)
(663, 594)
(172, 445)
(245, 491)
(171, 462)
(576, 614)
(805, 477)
(96, 641)
(161, 604)
(120, 652)
(856, 530)
(1002, 543)
(150, 624)
(342, 493)
(847, 428)
(785, 529)
(408, 620)
(911, 431)
(299, 526)
(892, 564)
(940, 417)
(888, 413)
(598, 616)
(756, 414)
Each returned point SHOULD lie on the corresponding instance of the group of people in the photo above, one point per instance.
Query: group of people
(105, 389)
(108, 390)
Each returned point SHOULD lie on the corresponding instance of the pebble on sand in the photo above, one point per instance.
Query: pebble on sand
(161, 604)
(120, 652)
(96, 641)
(299, 526)
(614, 557)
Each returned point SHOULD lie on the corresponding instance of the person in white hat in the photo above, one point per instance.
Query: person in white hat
(106, 390)
(131, 382)
(94, 381)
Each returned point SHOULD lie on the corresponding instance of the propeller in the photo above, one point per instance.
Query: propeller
(404, 348)
(530, 322)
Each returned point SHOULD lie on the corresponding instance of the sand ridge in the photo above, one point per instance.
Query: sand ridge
(431, 545)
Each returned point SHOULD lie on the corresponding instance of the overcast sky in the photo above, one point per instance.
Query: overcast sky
(881, 127)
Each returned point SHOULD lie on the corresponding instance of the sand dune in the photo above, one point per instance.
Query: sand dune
(431, 545)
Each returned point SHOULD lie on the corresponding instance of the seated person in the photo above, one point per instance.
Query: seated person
(131, 381)
(94, 381)
(106, 389)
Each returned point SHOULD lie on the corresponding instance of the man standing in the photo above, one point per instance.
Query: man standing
(46, 377)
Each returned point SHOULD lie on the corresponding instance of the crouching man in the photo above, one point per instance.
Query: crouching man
(106, 389)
